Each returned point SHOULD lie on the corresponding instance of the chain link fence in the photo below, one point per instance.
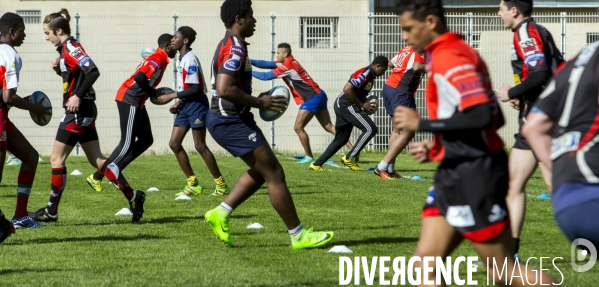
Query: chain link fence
(330, 47)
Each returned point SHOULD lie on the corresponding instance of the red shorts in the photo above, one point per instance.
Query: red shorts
(5, 127)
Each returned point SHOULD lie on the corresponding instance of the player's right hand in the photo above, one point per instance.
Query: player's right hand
(174, 109)
(275, 103)
(40, 110)
(55, 65)
(419, 151)
(368, 107)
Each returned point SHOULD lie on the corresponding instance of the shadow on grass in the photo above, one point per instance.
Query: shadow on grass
(29, 270)
(376, 240)
(317, 283)
(86, 239)
(162, 220)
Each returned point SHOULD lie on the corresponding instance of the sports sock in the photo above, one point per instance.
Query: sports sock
(113, 173)
(391, 168)
(220, 181)
(516, 245)
(192, 180)
(383, 166)
(99, 174)
(58, 182)
(295, 233)
(307, 157)
(24, 181)
(224, 210)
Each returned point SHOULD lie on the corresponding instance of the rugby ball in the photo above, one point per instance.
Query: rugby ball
(147, 52)
(375, 101)
(160, 92)
(271, 115)
(40, 98)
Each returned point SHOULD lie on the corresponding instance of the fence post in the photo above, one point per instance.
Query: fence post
(175, 18)
(563, 24)
(77, 16)
(371, 58)
(470, 28)
(273, 52)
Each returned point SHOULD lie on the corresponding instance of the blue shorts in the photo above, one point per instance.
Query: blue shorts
(192, 114)
(315, 104)
(576, 209)
(238, 135)
(392, 98)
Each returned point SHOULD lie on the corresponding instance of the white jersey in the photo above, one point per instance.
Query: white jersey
(10, 66)
(190, 72)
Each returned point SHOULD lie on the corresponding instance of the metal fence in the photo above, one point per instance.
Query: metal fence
(330, 47)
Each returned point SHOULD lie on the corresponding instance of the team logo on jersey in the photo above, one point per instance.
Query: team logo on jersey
(155, 64)
(237, 50)
(529, 46)
(14, 64)
(368, 86)
(535, 58)
(192, 70)
(232, 64)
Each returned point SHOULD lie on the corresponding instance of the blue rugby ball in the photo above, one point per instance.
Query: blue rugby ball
(270, 115)
(147, 52)
(39, 97)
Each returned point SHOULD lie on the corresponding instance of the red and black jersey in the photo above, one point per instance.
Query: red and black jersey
(75, 65)
(153, 67)
(362, 81)
(231, 58)
(533, 51)
(570, 100)
(403, 77)
(302, 86)
(458, 79)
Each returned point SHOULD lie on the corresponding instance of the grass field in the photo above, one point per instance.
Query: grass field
(173, 246)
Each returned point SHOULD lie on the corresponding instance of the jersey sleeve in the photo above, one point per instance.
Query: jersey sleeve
(459, 79)
(10, 75)
(395, 60)
(149, 66)
(359, 78)
(419, 58)
(79, 58)
(234, 59)
(192, 70)
(282, 70)
(530, 48)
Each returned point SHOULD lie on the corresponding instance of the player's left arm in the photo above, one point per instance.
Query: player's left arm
(539, 70)
(262, 64)
(78, 57)
(264, 76)
(474, 111)
(419, 63)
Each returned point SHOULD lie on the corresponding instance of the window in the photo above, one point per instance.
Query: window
(592, 38)
(318, 32)
(31, 16)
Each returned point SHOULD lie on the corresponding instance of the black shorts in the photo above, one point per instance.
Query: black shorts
(520, 142)
(470, 194)
(79, 126)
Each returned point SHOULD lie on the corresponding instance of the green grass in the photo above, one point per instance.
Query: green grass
(173, 246)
